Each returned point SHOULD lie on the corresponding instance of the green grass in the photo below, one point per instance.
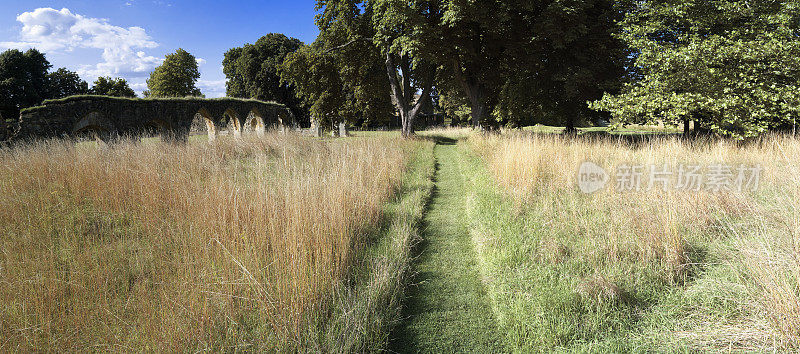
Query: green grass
(534, 302)
(368, 308)
(447, 309)
(554, 287)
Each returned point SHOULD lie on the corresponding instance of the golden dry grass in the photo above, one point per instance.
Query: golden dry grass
(162, 247)
(617, 233)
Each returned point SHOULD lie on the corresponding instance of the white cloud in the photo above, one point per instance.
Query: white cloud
(200, 61)
(51, 30)
(212, 88)
(138, 86)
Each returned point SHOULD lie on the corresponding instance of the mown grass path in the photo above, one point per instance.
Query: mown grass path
(447, 309)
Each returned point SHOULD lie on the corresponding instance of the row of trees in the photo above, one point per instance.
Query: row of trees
(731, 66)
(505, 62)
(26, 80)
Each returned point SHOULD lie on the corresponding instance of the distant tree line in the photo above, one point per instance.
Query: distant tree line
(26, 80)
(730, 66)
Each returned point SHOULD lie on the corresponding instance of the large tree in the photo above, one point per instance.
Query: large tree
(107, 86)
(403, 33)
(522, 61)
(175, 77)
(252, 71)
(558, 56)
(732, 66)
(342, 75)
(23, 80)
(360, 40)
(64, 83)
(317, 82)
(471, 51)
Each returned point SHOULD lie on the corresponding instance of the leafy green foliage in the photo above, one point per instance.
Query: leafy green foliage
(23, 80)
(252, 71)
(517, 62)
(176, 77)
(571, 58)
(732, 66)
(342, 74)
(106, 86)
(63, 83)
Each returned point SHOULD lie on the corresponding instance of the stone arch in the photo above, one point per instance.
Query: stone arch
(234, 122)
(95, 125)
(161, 128)
(255, 122)
(203, 121)
(284, 120)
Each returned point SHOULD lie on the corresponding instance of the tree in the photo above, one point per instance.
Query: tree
(175, 77)
(368, 36)
(64, 83)
(358, 95)
(316, 79)
(252, 71)
(522, 61)
(106, 86)
(403, 32)
(732, 66)
(471, 52)
(23, 80)
(342, 75)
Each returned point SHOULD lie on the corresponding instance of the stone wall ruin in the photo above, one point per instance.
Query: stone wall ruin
(171, 118)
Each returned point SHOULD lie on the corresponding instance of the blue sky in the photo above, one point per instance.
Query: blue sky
(128, 38)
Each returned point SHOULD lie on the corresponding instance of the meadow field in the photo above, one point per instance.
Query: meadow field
(161, 247)
(370, 243)
(649, 270)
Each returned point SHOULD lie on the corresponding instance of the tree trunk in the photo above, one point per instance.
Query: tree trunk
(403, 93)
(477, 105)
(569, 127)
(476, 94)
(686, 128)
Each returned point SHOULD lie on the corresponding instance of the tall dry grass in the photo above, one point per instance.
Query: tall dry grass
(618, 233)
(237, 245)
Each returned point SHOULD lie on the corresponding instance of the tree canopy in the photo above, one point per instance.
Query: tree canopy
(732, 66)
(341, 76)
(175, 77)
(364, 51)
(23, 80)
(63, 83)
(252, 71)
(502, 61)
(116, 87)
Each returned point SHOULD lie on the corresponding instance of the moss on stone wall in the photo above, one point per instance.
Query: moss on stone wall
(129, 116)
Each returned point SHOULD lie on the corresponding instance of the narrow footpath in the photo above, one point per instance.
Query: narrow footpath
(447, 309)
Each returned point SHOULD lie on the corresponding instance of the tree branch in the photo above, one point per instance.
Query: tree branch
(346, 44)
(405, 67)
(397, 92)
(426, 91)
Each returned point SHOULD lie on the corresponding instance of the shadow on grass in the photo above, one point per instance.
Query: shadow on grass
(438, 139)
(401, 339)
